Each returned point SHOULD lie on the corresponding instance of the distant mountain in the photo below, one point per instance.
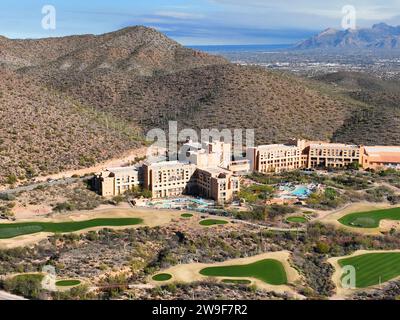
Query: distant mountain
(380, 36)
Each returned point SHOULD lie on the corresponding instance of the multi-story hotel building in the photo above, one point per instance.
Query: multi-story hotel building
(116, 181)
(274, 158)
(329, 155)
(380, 157)
(169, 178)
(217, 183)
(204, 169)
(301, 154)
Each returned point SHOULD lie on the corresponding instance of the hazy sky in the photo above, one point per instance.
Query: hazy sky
(194, 22)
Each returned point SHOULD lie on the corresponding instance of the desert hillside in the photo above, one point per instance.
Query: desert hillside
(42, 132)
(278, 106)
(69, 102)
(378, 122)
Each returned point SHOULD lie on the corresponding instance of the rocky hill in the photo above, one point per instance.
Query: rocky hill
(380, 36)
(70, 102)
(42, 132)
(378, 121)
(277, 106)
(142, 51)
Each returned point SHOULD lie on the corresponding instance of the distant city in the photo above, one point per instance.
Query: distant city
(383, 63)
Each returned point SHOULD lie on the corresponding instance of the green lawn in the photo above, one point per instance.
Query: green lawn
(374, 268)
(370, 219)
(11, 230)
(212, 222)
(68, 283)
(162, 277)
(186, 215)
(269, 270)
(297, 219)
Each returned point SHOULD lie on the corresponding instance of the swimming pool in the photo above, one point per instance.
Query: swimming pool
(290, 191)
(301, 192)
(181, 203)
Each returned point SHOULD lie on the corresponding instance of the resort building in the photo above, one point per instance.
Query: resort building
(239, 167)
(116, 181)
(207, 169)
(274, 158)
(299, 154)
(380, 157)
(329, 155)
(217, 184)
(203, 169)
(207, 154)
(169, 178)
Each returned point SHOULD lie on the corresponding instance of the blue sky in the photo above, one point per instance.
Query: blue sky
(194, 22)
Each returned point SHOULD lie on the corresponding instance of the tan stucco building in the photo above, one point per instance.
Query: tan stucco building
(300, 154)
(117, 181)
(274, 158)
(218, 184)
(380, 157)
(169, 178)
(204, 169)
(329, 155)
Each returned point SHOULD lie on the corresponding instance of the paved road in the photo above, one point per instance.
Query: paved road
(8, 296)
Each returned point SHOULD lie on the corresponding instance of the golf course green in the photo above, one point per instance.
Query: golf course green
(187, 215)
(374, 268)
(296, 220)
(68, 283)
(162, 277)
(212, 222)
(269, 271)
(370, 219)
(11, 230)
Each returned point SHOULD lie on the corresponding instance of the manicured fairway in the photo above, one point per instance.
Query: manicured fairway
(162, 277)
(370, 219)
(186, 215)
(374, 268)
(11, 230)
(269, 270)
(68, 283)
(212, 222)
(297, 219)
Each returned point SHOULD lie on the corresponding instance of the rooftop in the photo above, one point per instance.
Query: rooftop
(332, 145)
(168, 164)
(378, 149)
(276, 146)
(123, 169)
(389, 154)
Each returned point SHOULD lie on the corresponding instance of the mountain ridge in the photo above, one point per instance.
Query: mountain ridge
(379, 36)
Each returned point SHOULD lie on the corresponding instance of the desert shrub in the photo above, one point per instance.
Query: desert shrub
(27, 285)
